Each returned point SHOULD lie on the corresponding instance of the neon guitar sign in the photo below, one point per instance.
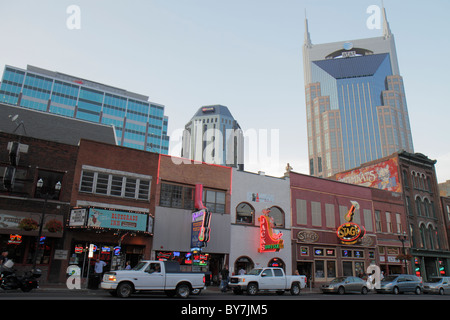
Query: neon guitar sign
(201, 221)
(350, 232)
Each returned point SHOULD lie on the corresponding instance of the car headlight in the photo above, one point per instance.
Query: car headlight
(110, 277)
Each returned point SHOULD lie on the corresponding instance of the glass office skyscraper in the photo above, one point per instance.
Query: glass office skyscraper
(355, 102)
(138, 123)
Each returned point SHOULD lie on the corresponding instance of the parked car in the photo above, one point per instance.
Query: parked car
(439, 285)
(343, 285)
(267, 279)
(399, 283)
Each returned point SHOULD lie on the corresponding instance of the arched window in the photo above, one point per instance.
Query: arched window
(243, 265)
(431, 233)
(245, 213)
(418, 206)
(278, 217)
(427, 206)
(423, 236)
(278, 263)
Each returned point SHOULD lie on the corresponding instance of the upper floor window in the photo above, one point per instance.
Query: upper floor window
(177, 196)
(214, 200)
(183, 197)
(115, 183)
(278, 217)
(245, 213)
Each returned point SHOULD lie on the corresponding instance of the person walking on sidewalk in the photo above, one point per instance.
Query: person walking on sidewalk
(224, 284)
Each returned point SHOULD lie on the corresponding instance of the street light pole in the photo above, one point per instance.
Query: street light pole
(39, 185)
(403, 238)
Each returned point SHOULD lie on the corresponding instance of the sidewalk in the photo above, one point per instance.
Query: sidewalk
(208, 290)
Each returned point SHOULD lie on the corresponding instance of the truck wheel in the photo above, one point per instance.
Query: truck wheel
(252, 289)
(183, 291)
(295, 289)
(124, 290)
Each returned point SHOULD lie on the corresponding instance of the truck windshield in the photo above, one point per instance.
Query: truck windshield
(139, 266)
(255, 272)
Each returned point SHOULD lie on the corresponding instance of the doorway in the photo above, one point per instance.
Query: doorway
(305, 269)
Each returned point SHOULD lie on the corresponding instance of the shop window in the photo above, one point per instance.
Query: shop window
(245, 213)
(325, 270)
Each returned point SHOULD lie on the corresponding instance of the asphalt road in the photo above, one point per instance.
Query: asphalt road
(213, 304)
(208, 294)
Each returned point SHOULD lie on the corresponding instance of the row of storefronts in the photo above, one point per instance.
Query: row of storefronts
(121, 205)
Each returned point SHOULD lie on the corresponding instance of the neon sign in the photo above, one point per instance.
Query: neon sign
(269, 241)
(350, 232)
(200, 232)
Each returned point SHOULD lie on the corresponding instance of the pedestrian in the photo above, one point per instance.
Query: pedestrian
(241, 271)
(224, 273)
(127, 265)
(98, 272)
(3, 257)
(98, 267)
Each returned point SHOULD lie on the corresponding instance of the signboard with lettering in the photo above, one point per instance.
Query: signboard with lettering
(104, 218)
(269, 241)
(77, 217)
(383, 175)
(200, 231)
(350, 232)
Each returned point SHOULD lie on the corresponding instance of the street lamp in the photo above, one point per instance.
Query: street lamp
(403, 238)
(39, 185)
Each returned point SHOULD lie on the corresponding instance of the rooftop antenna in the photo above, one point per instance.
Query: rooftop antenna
(18, 124)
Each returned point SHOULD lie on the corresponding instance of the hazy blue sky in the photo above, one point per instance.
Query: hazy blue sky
(244, 54)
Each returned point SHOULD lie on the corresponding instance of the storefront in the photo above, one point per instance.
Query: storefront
(19, 233)
(114, 236)
(321, 261)
(428, 265)
(334, 230)
(172, 241)
(260, 223)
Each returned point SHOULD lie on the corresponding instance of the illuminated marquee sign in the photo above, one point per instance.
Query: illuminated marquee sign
(269, 241)
(350, 232)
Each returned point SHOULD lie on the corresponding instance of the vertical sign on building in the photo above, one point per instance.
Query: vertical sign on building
(201, 222)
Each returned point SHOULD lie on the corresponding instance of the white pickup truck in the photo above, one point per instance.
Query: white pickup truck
(267, 279)
(149, 275)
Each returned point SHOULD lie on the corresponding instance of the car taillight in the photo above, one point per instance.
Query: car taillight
(204, 279)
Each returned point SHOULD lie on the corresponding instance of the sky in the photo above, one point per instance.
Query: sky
(244, 54)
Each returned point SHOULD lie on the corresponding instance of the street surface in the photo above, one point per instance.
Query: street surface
(213, 304)
(211, 293)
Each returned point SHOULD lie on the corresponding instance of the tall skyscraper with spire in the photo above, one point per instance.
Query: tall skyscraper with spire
(355, 102)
